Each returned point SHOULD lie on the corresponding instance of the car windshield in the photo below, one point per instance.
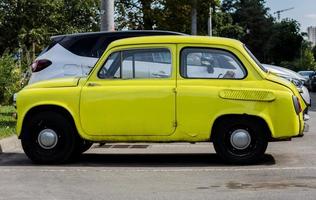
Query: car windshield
(255, 59)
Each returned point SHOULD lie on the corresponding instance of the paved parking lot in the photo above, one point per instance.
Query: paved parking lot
(166, 171)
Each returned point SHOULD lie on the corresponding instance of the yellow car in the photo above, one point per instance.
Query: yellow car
(162, 89)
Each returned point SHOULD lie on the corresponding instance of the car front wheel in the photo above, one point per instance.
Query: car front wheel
(48, 138)
(240, 140)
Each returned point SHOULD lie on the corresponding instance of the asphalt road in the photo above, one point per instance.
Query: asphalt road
(166, 171)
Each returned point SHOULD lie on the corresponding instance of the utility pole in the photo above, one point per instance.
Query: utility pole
(107, 15)
(194, 17)
(210, 26)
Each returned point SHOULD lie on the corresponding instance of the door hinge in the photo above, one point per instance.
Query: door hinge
(174, 90)
(175, 124)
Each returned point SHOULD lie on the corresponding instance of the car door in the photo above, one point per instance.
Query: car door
(132, 93)
(205, 73)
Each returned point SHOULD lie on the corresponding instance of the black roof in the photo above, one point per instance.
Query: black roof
(116, 33)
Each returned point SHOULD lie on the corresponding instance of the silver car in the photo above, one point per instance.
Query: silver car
(294, 77)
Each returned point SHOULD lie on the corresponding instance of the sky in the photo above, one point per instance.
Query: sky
(304, 11)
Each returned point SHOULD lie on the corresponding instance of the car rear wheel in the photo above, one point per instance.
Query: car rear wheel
(48, 138)
(240, 140)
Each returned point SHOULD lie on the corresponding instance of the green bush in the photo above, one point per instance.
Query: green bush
(10, 76)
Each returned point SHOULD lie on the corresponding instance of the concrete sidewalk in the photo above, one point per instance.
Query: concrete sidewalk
(10, 144)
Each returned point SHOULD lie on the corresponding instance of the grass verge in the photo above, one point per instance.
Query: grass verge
(7, 122)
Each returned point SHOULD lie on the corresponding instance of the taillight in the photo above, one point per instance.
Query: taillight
(297, 105)
(39, 65)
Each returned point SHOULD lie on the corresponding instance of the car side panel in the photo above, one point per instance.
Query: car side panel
(197, 115)
(65, 97)
(200, 103)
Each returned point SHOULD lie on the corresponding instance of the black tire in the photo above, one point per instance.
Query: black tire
(64, 129)
(85, 146)
(223, 145)
(81, 147)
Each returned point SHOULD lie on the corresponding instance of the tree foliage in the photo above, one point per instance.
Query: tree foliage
(27, 22)
(253, 17)
(9, 78)
(285, 42)
(305, 60)
(314, 52)
(174, 15)
(273, 42)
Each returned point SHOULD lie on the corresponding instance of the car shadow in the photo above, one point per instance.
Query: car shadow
(134, 160)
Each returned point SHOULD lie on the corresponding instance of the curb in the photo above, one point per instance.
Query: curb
(9, 144)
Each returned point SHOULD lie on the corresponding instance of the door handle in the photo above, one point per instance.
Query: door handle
(93, 84)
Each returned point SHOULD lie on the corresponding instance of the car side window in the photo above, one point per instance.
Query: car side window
(112, 67)
(210, 63)
(138, 64)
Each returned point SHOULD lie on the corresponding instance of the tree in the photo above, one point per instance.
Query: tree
(285, 42)
(9, 78)
(305, 61)
(253, 17)
(223, 26)
(314, 52)
(137, 14)
(174, 15)
(25, 23)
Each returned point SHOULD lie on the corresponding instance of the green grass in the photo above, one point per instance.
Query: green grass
(7, 122)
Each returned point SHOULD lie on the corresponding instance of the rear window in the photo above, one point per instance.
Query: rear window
(88, 46)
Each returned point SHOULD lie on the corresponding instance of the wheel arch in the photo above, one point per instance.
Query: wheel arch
(258, 119)
(47, 107)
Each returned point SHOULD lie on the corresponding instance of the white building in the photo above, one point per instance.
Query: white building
(311, 31)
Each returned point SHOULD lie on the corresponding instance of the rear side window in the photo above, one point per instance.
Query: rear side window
(210, 63)
(84, 46)
(137, 64)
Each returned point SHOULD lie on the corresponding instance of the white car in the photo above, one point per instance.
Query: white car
(294, 77)
(76, 54)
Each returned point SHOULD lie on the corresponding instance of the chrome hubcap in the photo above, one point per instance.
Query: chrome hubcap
(47, 139)
(240, 139)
